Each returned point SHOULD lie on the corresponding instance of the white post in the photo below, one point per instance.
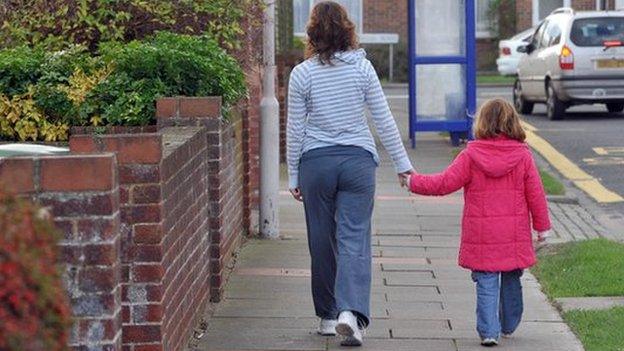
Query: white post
(269, 132)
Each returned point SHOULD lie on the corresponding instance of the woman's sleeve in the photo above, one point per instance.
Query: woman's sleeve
(455, 177)
(384, 122)
(295, 127)
(536, 198)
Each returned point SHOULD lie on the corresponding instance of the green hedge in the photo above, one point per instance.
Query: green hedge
(43, 93)
(56, 23)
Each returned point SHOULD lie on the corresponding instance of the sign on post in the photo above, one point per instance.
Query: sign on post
(442, 67)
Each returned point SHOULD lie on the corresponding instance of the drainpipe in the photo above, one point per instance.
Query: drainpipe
(269, 132)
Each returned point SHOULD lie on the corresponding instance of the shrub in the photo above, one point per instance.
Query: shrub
(54, 23)
(33, 303)
(119, 86)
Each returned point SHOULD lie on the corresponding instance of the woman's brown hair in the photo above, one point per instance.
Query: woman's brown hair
(498, 117)
(329, 31)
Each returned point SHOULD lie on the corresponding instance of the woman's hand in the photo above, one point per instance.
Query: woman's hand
(296, 193)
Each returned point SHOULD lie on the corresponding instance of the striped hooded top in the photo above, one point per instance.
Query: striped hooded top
(326, 107)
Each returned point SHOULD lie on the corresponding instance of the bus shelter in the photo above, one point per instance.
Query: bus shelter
(442, 67)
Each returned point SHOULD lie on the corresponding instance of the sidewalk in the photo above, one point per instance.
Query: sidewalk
(421, 299)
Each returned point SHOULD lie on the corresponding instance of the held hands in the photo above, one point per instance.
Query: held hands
(404, 178)
(296, 193)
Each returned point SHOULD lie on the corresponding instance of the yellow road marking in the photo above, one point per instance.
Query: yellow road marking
(569, 169)
(608, 150)
(604, 161)
(600, 151)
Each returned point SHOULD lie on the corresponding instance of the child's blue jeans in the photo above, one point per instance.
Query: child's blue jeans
(499, 302)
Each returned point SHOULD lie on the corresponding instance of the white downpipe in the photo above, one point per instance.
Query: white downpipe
(269, 132)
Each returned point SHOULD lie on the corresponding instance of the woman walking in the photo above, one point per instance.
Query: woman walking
(331, 164)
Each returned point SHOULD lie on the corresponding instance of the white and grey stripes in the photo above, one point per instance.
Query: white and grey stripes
(326, 108)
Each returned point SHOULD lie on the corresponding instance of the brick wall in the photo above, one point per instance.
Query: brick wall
(151, 218)
(524, 10)
(83, 195)
(226, 180)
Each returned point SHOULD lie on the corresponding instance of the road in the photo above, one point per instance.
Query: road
(589, 136)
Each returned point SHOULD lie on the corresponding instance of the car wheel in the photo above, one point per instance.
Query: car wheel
(522, 106)
(555, 108)
(615, 107)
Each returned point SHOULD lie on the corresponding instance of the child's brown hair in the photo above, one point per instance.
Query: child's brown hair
(498, 117)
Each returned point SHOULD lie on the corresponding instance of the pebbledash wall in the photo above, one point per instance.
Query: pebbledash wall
(150, 218)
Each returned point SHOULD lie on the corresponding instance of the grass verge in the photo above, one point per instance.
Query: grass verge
(587, 268)
(495, 79)
(598, 330)
(552, 186)
(579, 269)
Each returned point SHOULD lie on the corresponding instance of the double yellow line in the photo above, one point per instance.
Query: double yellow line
(569, 169)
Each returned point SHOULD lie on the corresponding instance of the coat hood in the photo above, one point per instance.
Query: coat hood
(497, 157)
(351, 56)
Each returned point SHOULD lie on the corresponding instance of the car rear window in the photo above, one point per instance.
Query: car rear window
(595, 31)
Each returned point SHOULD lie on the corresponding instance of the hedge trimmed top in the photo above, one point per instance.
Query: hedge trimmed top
(43, 93)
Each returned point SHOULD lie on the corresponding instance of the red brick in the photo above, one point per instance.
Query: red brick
(104, 254)
(16, 175)
(70, 254)
(82, 144)
(80, 205)
(95, 279)
(141, 333)
(148, 253)
(77, 173)
(147, 273)
(147, 233)
(200, 107)
(167, 107)
(138, 174)
(145, 194)
(97, 229)
(147, 313)
(135, 148)
(141, 214)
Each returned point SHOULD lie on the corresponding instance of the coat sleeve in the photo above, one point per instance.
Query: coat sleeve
(455, 177)
(536, 197)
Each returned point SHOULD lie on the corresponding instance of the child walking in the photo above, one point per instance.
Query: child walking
(503, 196)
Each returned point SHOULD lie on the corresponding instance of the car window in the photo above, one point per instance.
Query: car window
(553, 33)
(595, 31)
(537, 38)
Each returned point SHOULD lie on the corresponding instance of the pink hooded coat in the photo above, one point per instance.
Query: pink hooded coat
(503, 193)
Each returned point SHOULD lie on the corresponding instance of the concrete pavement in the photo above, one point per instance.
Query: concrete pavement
(421, 299)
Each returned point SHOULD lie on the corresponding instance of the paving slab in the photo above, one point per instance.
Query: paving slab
(589, 303)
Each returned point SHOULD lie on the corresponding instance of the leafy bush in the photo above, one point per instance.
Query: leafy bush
(119, 86)
(54, 23)
(33, 304)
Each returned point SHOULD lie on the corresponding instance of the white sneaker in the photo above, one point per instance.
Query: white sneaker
(348, 327)
(507, 336)
(489, 342)
(327, 327)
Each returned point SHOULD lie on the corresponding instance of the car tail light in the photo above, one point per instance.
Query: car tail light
(505, 51)
(566, 58)
(612, 43)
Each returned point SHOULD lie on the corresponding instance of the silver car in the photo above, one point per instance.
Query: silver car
(573, 58)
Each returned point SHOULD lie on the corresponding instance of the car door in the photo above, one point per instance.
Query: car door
(548, 56)
(528, 71)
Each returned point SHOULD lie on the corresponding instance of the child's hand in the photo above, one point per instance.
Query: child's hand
(543, 236)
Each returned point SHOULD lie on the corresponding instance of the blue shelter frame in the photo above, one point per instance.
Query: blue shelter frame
(466, 60)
